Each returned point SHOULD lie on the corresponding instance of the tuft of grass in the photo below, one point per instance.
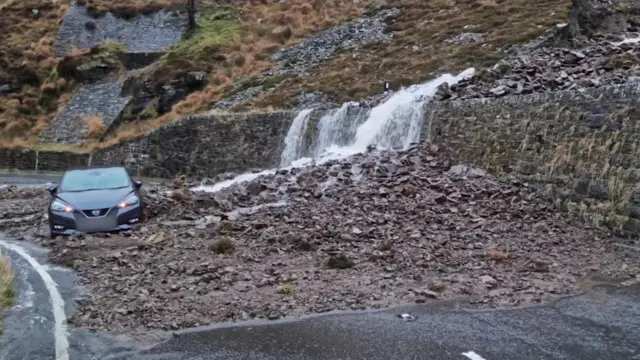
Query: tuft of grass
(222, 246)
(285, 289)
(95, 126)
(7, 292)
(340, 261)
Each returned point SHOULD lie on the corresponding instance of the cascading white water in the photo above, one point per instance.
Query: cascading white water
(293, 141)
(393, 124)
(396, 123)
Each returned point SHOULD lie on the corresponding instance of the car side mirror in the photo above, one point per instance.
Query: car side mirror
(138, 184)
(53, 190)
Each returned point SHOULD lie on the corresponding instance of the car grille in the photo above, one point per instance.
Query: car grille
(97, 223)
(95, 213)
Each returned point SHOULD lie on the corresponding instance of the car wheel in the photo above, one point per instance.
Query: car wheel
(52, 235)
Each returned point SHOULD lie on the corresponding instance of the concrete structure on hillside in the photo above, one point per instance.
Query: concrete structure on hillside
(146, 37)
(143, 35)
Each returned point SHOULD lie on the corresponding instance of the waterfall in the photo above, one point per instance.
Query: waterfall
(393, 124)
(293, 141)
(397, 122)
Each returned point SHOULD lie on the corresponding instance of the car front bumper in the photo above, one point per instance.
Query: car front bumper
(82, 221)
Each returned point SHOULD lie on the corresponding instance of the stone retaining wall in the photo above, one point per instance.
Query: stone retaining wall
(583, 148)
(202, 145)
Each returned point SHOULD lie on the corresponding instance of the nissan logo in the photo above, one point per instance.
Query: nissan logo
(95, 212)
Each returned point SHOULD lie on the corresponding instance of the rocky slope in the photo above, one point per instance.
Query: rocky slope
(598, 62)
(374, 230)
(258, 54)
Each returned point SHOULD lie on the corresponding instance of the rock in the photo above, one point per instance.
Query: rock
(94, 71)
(464, 38)
(317, 48)
(195, 80)
(440, 239)
(488, 280)
(590, 17)
(593, 63)
(5, 89)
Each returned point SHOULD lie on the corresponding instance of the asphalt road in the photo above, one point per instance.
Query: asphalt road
(8, 178)
(601, 324)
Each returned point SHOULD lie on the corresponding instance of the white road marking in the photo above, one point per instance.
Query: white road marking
(57, 303)
(473, 356)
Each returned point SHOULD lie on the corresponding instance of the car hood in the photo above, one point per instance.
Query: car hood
(95, 199)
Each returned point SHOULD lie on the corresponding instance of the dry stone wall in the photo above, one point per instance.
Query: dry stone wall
(202, 145)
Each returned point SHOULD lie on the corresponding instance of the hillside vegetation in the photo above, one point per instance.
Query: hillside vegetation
(232, 44)
(6, 284)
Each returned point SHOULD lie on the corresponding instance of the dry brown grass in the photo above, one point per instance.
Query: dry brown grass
(237, 44)
(27, 60)
(425, 25)
(128, 9)
(7, 291)
(95, 126)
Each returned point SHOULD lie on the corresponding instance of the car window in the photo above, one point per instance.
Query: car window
(94, 179)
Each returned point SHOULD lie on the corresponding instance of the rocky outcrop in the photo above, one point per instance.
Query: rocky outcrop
(238, 98)
(102, 100)
(589, 18)
(144, 34)
(152, 99)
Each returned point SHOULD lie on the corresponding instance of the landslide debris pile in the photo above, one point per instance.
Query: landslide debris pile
(588, 51)
(373, 230)
(601, 63)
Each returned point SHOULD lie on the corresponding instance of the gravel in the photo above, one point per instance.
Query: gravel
(374, 230)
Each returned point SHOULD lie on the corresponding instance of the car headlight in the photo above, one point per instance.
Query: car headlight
(129, 201)
(59, 206)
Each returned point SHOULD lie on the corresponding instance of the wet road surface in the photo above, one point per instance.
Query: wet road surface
(601, 324)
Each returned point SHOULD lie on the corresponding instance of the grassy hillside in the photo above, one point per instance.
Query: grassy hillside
(232, 44)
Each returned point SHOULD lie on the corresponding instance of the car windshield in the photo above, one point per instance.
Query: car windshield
(94, 179)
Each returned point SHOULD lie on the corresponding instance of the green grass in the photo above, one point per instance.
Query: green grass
(202, 46)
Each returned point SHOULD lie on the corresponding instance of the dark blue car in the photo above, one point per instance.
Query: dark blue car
(96, 199)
